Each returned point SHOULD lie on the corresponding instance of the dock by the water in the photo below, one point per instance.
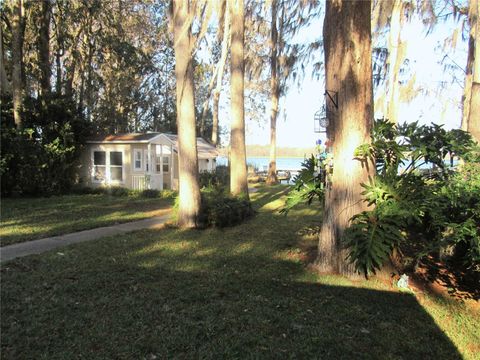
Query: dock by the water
(282, 175)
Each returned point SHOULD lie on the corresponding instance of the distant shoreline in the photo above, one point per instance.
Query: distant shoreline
(263, 151)
(278, 157)
(263, 157)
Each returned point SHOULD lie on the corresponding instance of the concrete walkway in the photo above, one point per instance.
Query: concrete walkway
(39, 246)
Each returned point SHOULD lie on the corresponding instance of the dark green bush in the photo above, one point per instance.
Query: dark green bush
(150, 193)
(220, 178)
(220, 210)
(414, 208)
(122, 191)
(117, 191)
(457, 221)
(41, 158)
(85, 190)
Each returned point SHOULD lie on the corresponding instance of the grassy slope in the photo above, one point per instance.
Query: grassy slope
(241, 292)
(34, 218)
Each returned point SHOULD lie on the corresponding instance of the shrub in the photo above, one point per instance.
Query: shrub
(168, 194)
(308, 185)
(122, 191)
(220, 178)
(117, 191)
(220, 210)
(42, 158)
(457, 221)
(428, 209)
(84, 190)
(150, 193)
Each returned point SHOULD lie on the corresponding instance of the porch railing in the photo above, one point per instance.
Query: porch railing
(140, 182)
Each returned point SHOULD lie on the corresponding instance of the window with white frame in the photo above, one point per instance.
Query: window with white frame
(107, 166)
(158, 163)
(116, 166)
(166, 164)
(99, 166)
(137, 159)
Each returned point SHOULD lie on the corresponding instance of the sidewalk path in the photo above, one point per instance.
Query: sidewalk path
(39, 246)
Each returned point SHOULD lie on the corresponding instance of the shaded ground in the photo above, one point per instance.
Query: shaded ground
(241, 292)
(449, 278)
(35, 218)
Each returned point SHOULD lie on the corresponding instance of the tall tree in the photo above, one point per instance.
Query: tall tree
(287, 18)
(348, 76)
(189, 190)
(5, 86)
(44, 48)
(393, 14)
(471, 105)
(275, 94)
(238, 160)
(396, 56)
(18, 28)
(219, 79)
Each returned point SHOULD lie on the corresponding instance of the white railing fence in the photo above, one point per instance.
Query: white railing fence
(140, 182)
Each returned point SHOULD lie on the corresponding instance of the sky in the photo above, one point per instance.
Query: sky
(295, 121)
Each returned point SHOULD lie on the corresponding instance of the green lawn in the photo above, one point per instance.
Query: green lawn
(237, 293)
(34, 218)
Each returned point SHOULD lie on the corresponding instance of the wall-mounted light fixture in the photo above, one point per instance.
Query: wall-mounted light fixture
(323, 117)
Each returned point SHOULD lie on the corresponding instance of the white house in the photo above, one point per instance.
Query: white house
(139, 161)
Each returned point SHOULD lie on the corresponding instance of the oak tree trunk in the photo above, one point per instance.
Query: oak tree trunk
(221, 71)
(189, 190)
(5, 86)
(44, 49)
(215, 106)
(238, 164)
(396, 54)
(348, 68)
(17, 60)
(274, 93)
(206, 102)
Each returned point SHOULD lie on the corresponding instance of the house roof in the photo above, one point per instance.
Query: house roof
(204, 149)
(132, 137)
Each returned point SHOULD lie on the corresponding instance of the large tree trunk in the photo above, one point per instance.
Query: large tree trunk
(221, 70)
(215, 106)
(5, 86)
(396, 54)
(44, 49)
(206, 102)
(238, 164)
(189, 190)
(58, 81)
(471, 115)
(348, 68)
(89, 80)
(274, 93)
(17, 60)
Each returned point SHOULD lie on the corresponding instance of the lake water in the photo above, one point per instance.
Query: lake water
(286, 163)
(261, 163)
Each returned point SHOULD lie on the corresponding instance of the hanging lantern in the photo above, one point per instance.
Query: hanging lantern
(323, 117)
(320, 120)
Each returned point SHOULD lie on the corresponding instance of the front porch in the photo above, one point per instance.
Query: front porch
(153, 167)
